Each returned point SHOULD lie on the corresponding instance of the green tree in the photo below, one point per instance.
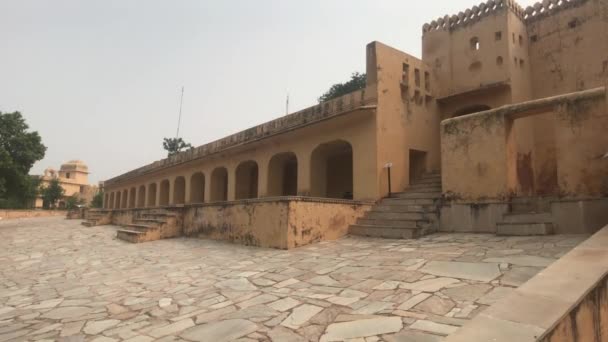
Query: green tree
(97, 201)
(357, 81)
(73, 202)
(19, 150)
(174, 146)
(52, 193)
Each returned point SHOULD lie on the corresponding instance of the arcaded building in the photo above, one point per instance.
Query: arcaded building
(499, 127)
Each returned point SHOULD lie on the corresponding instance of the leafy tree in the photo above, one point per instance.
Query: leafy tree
(52, 193)
(357, 81)
(174, 146)
(97, 201)
(73, 202)
(19, 150)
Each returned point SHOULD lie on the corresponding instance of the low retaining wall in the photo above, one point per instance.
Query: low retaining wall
(569, 216)
(282, 223)
(568, 301)
(15, 214)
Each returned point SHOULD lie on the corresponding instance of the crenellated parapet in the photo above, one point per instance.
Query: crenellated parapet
(474, 14)
(549, 7)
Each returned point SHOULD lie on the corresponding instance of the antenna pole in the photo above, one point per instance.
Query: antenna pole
(287, 104)
(179, 120)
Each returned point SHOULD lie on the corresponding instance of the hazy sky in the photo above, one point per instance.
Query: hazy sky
(100, 80)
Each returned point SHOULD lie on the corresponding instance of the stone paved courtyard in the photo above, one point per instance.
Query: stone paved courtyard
(62, 281)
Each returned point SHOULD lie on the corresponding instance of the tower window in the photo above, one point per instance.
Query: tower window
(67, 175)
(498, 35)
(417, 77)
(475, 45)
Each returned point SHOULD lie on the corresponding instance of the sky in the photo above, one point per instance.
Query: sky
(101, 80)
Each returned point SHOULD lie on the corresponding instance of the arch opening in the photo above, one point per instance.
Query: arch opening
(219, 184)
(111, 206)
(152, 195)
(197, 188)
(246, 180)
(283, 175)
(470, 110)
(164, 193)
(179, 190)
(141, 197)
(117, 203)
(132, 198)
(332, 170)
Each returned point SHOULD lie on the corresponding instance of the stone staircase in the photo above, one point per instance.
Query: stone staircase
(526, 217)
(407, 215)
(96, 217)
(150, 226)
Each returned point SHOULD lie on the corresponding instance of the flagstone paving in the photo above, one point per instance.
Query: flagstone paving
(63, 281)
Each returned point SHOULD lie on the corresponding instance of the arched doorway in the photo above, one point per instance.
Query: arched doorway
(219, 185)
(332, 170)
(246, 180)
(117, 203)
(283, 175)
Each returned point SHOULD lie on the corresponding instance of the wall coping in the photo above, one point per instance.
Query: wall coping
(282, 199)
(357, 100)
(533, 105)
(534, 309)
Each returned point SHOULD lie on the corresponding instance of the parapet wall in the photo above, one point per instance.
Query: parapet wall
(476, 13)
(314, 114)
(284, 223)
(568, 301)
(16, 214)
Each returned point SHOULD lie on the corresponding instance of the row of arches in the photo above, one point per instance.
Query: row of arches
(331, 176)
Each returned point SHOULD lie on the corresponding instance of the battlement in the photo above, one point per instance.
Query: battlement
(472, 15)
(549, 7)
(476, 13)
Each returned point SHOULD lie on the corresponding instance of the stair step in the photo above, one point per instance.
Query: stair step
(385, 232)
(381, 207)
(408, 201)
(417, 188)
(527, 218)
(379, 215)
(418, 195)
(144, 220)
(88, 224)
(524, 229)
(394, 223)
(132, 236)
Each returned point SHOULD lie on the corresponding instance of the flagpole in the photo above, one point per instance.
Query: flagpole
(179, 120)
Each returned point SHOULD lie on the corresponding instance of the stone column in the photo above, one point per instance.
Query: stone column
(187, 182)
(263, 177)
(231, 182)
(303, 172)
(171, 189)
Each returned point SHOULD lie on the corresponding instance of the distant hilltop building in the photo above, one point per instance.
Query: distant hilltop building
(74, 179)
